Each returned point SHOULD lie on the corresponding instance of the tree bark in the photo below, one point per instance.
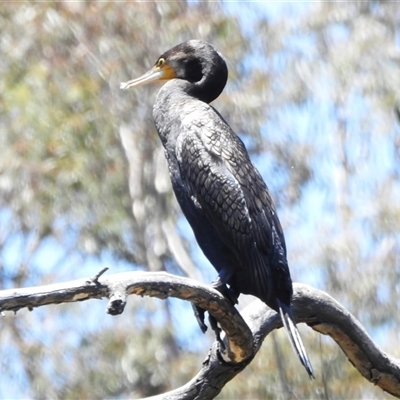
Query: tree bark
(244, 333)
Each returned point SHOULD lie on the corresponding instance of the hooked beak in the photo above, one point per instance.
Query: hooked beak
(155, 74)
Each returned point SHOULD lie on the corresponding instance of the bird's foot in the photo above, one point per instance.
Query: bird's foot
(228, 293)
(217, 331)
(199, 314)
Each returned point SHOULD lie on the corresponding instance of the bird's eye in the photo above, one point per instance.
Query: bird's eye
(160, 62)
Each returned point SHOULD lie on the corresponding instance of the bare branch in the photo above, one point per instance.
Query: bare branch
(95, 278)
(311, 306)
(238, 341)
(325, 315)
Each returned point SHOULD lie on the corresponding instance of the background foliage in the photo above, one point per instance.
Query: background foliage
(313, 91)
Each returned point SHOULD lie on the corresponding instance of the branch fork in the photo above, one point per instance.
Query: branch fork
(244, 333)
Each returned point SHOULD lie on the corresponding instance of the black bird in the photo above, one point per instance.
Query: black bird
(221, 193)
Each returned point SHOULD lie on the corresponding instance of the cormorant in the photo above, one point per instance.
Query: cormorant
(221, 193)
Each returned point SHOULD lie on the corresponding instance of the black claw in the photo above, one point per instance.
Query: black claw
(199, 314)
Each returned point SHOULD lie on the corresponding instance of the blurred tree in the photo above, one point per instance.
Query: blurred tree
(66, 195)
(336, 88)
(312, 90)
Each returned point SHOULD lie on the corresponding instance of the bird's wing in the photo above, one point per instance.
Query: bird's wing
(221, 179)
(213, 188)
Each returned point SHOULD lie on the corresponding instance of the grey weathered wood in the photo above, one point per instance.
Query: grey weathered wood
(244, 333)
(238, 341)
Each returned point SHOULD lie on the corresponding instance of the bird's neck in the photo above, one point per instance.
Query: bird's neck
(173, 102)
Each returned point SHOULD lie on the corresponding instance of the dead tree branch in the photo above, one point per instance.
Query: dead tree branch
(244, 333)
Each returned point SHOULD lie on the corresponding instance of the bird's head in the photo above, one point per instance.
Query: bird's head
(195, 62)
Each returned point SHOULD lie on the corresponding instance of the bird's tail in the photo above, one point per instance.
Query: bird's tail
(294, 336)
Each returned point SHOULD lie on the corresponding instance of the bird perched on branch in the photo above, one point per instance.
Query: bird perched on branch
(221, 193)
